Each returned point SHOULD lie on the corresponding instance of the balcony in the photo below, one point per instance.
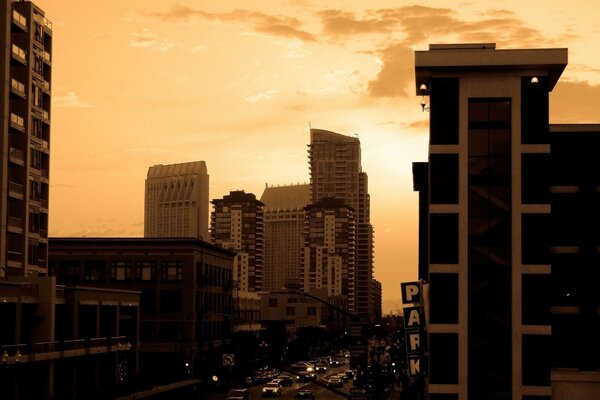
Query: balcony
(14, 259)
(19, 20)
(19, 54)
(16, 190)
(45, 22)
(16, 354)
(46, 57)
(17, 87)
(17, 122)
(15, 224)
(17, 156)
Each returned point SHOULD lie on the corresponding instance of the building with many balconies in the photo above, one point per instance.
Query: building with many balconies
(25, 73)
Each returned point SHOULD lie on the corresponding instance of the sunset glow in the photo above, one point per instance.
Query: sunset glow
(238, 83)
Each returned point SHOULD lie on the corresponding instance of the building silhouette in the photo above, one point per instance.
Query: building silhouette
(185, 302)
(505, 198)
(66, 341)
(283, 236)
(336, 172)
(176, 201)
(237, 223)
(25, 72)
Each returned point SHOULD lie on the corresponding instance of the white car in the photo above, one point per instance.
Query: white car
(272, 389)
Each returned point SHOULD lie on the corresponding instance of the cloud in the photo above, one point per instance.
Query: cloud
(148, 40)
(267, 95)
(275, 25)
(395, 74)
(68, 99)
(407, 27)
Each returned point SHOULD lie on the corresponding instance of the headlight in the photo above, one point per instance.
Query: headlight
(310, 369)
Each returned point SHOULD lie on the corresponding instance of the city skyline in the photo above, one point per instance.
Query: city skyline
(142, 83)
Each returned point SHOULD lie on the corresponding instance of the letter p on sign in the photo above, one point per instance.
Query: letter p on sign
(411, 292)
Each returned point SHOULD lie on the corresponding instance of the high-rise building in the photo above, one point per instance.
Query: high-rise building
(507, 229)
(237, 223)
(176, 201)
(284, 240)
(336, 172)
(330, 250)
(25, 73)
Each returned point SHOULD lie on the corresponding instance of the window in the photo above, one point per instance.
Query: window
(170, 301)
(311, 311)
(120, 270)
(95, 271)
(69, 270)
(172, 271)
(443, 238)
(536, 360)
(272, 302)
(145, 271)
(443, 300)
(443, 170)
(444, 110)
(148, 301)
(34, 190)
(36, 159)
(290, 311)
(443, 358)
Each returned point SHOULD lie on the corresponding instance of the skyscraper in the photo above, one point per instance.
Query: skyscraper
(237, 223)
(25, 73)
(508, 238)
(176, 201)
(284, 227)
(336, 172)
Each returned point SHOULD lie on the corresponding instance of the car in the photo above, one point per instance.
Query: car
(306, 376)
(335, 381)
(321, 368)
(342, 376)
(272, 389)
(238, 394)
(302, 367)
(350, 373)
(304, 394)
(336, 362)
(285, 380)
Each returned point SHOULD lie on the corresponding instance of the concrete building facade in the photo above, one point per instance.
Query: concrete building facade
(336, 172)
(25, 74)
(283, 237)
(499, 199)
(176, 201)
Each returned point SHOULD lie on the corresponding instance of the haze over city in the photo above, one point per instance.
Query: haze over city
(237, 84)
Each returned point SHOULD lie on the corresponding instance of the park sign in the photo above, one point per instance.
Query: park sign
(414, 326)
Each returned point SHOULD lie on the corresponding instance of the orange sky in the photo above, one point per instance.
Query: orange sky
(236, 83)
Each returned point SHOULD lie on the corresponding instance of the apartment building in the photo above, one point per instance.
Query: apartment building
(505, 198)
(283, 236)
(336, 172)
(237, 223)
(25, 73)
(176, 201)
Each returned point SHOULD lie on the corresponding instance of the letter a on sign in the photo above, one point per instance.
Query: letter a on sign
(412, 317)
(411, 292)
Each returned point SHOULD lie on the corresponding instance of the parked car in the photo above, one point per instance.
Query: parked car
(304, 394)
(272, 389)
(238, 394)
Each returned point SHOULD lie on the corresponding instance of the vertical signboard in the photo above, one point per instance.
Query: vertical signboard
(414, 326)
